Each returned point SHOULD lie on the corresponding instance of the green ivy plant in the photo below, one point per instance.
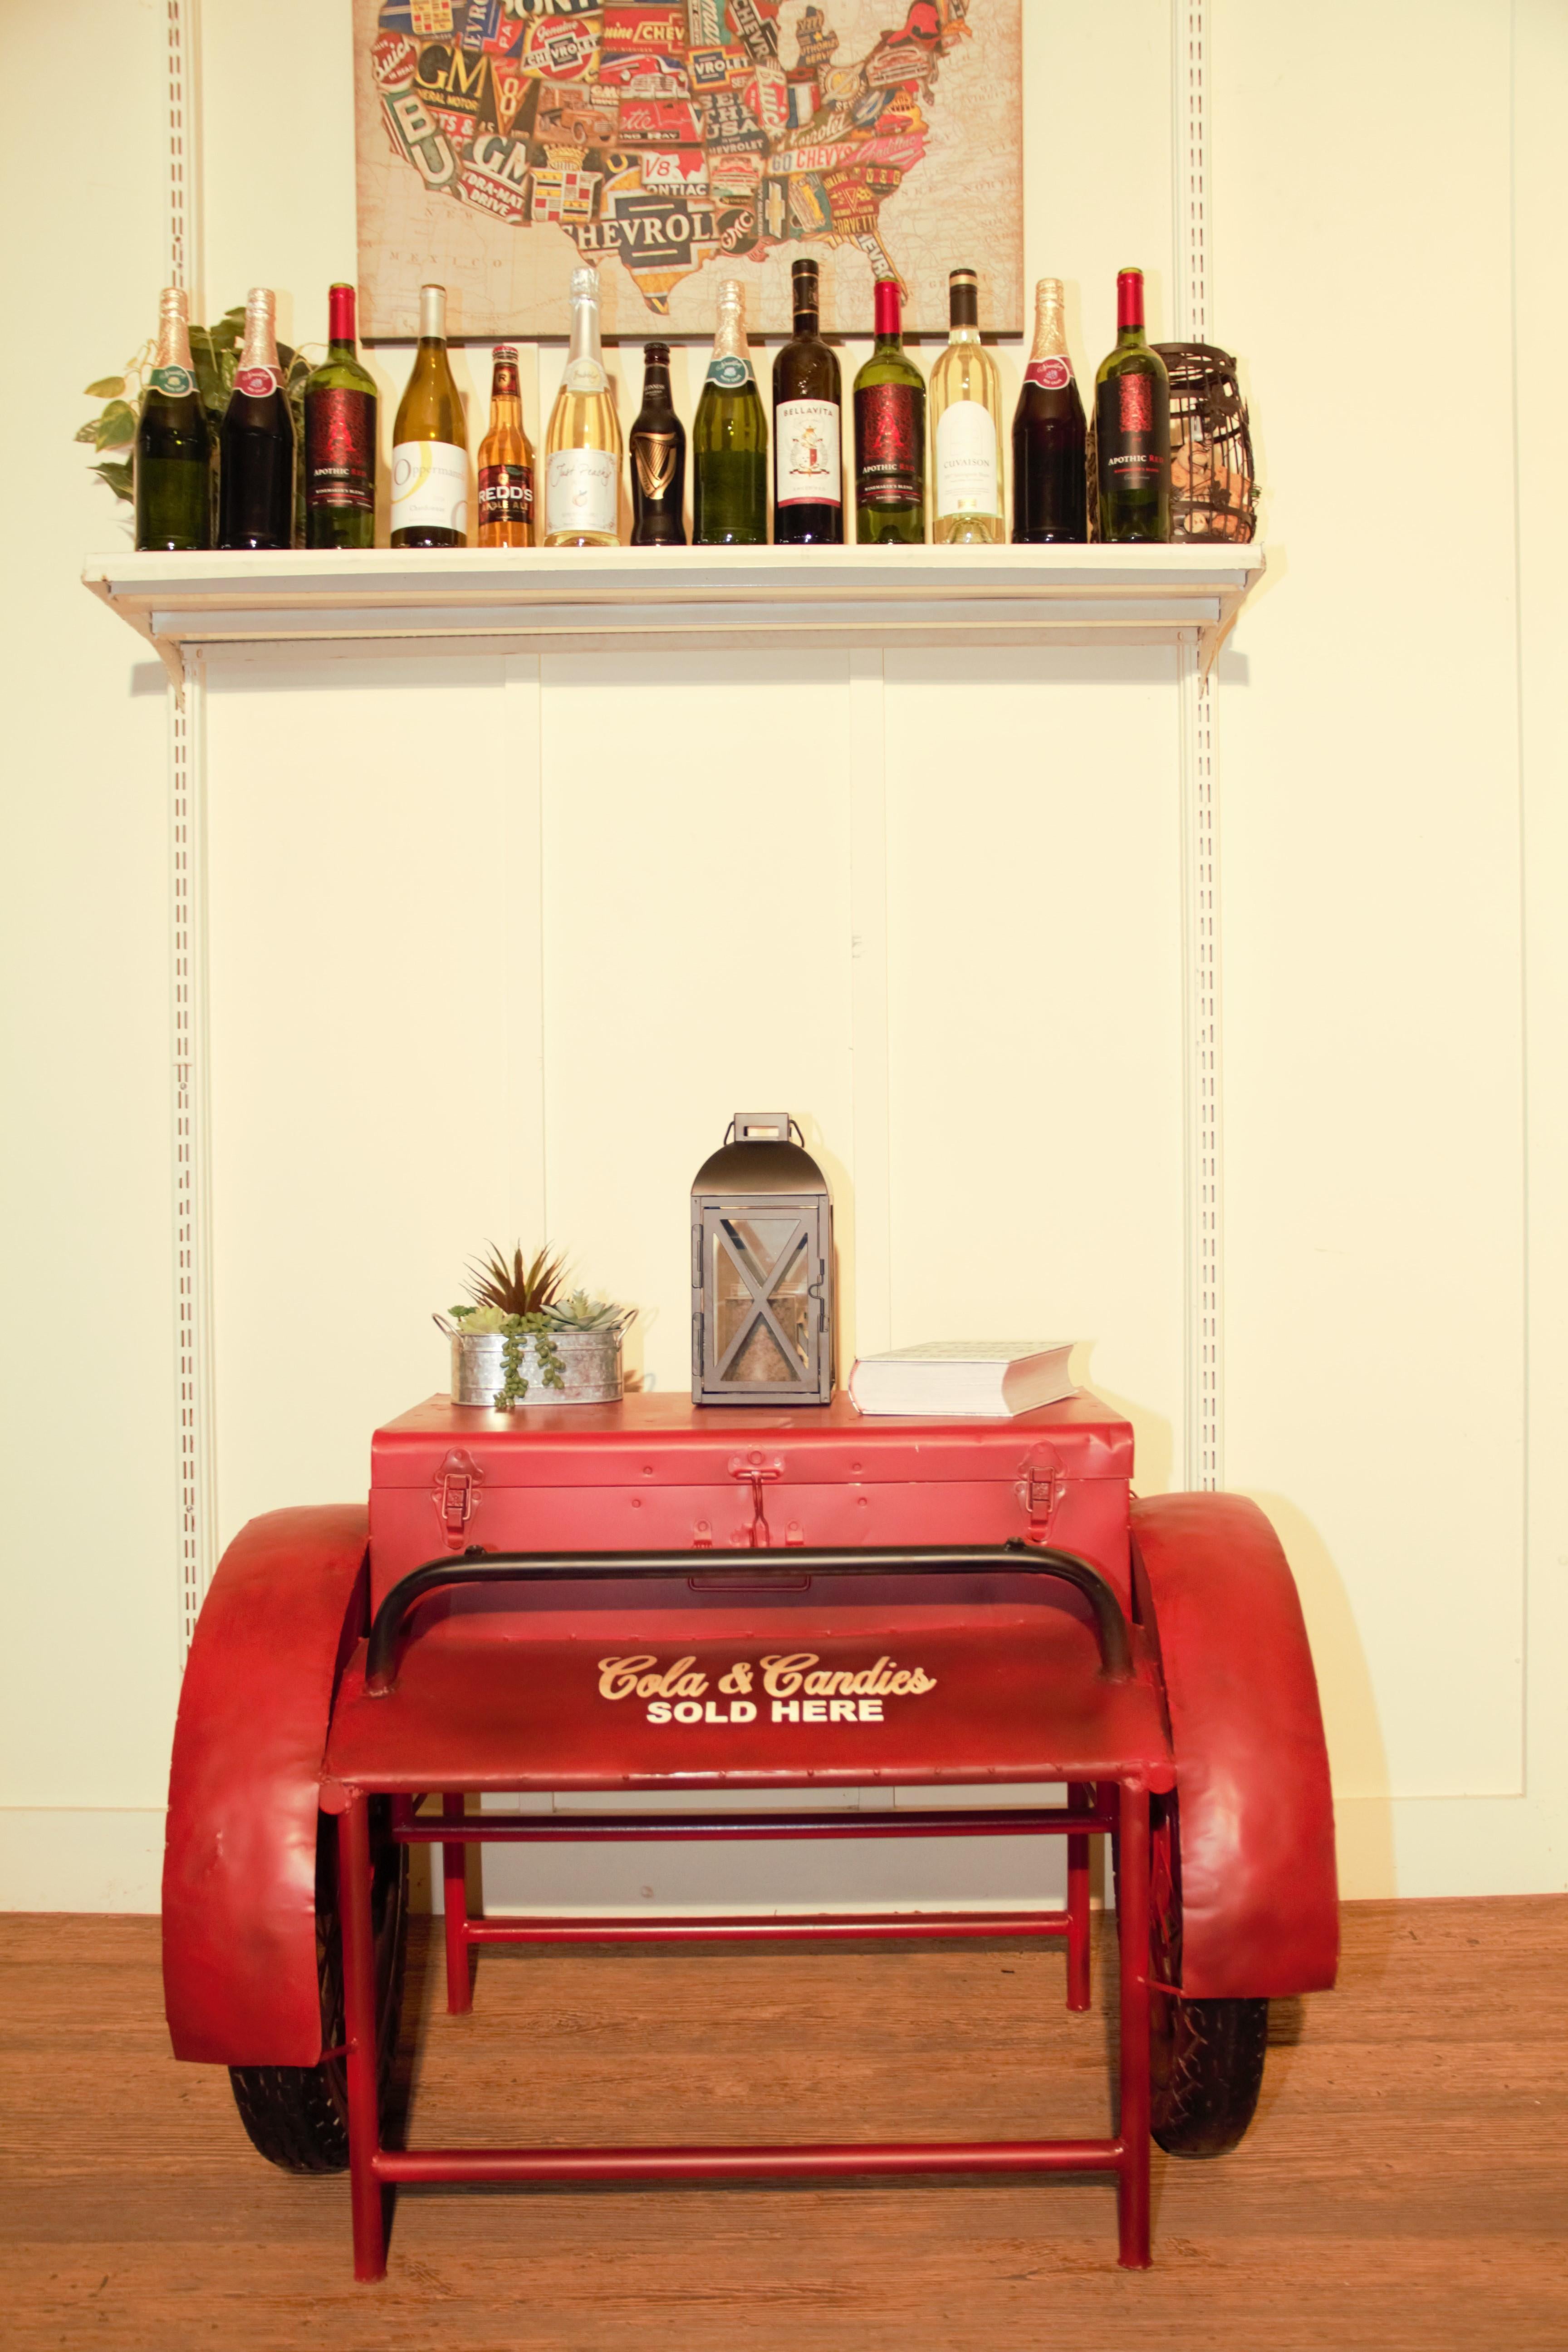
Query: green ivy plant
(215, 354)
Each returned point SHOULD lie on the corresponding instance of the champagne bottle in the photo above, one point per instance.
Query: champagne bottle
(173, 457)
(1132, 427)
(809, 482)
(730, 445)
(582, 447)
(429, 443)
(890, 434)
(658, 459)
(340, 437)
(256, 442)
(1050, 488)
(506, 460)
(966, 427)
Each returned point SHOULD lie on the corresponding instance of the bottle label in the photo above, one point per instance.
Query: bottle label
(1132, 452)
(581, 491)
(967, 460)
(340, 449)
(430, 486)
(506, 494)
(585, 375)
(256, 382)
(1135, 405)
(889, 445)
(730, 372)
(810, 467)
(655, 455)
(174, 382)
(1052, 374)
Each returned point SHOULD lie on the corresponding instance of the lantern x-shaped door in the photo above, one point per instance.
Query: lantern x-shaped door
(762, 1270)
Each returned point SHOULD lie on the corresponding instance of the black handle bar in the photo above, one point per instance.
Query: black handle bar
(1014, 1559)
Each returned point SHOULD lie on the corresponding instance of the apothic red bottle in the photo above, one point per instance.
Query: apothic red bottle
(340, 438)
(1132, 427)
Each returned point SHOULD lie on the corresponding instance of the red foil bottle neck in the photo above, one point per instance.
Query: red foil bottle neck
(341, 314)
(888, 309)
(1129, 299)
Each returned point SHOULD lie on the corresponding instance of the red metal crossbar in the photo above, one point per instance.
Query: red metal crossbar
(372, 2167)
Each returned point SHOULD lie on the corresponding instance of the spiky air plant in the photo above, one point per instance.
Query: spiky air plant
(515, 1289)
(514, 1300)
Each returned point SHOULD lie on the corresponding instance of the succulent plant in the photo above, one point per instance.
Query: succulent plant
(517, 1289)
(581, 1313)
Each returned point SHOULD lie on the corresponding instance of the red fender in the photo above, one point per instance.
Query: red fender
(1259, 1894)
(286, 1607)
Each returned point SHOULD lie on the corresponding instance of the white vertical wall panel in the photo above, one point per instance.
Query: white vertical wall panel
(1375, 1173)
(1034, 1024)
(374, 924)
(696, 946)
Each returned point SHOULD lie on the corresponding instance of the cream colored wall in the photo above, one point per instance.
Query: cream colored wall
(930, 904)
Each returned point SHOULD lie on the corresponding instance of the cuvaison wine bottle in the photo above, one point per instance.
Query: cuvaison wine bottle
(729, 444)
(1132, 427)
(966, 426)
(429, 443)
(658, 459)
(256, 442)
(890, 434)
(172, 456)
(583, 447)
(506, 460)
(808, 463)
(1050, 486)
(339, 437)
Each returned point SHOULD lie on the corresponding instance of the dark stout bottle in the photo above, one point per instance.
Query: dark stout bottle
(256, 445)
(808, 477)
(1132, 427)
(173, 457)
(1050, 488)
(890, 434)
(340, 437)
(658, 459)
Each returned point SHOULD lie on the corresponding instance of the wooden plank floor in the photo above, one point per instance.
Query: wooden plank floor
(1405, 2188)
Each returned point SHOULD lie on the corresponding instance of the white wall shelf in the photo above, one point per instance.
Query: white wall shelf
(588, 600)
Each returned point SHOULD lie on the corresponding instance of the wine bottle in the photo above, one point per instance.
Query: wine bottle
(890, 434)
(808, 480)
(730, 445)
(658, 459)
(582, 447)
(506, 460)
(429, 443)
(256, 442)
(966, 427)
(1132, 427)
(1050, 486)
(340, 437)
(172, 456)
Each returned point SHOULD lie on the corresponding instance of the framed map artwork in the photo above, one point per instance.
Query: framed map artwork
(676, 142)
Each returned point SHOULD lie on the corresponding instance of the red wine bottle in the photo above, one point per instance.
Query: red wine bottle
(809, 484)
(340, 437)
(1132, 427)
(256, 442)
(1050, 488)
(890, 434)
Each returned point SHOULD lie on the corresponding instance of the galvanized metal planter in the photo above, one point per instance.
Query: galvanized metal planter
(590, 1368)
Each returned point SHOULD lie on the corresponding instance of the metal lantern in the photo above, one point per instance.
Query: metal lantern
(762, 1269)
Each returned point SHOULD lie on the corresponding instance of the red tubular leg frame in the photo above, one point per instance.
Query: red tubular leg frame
(809, 2161)
(839, 1926)
(1133, 1930)
(360, 2022)
(455, 1898)
(1080, 1797)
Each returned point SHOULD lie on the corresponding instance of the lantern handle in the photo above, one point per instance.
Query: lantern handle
(791, 1121)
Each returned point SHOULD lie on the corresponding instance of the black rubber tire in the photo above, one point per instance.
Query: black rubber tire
(298, 2116)
(1205, 2057)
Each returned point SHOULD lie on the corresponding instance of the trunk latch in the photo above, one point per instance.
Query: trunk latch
(750, 1470)
(453, 1492)
(1040, 1491)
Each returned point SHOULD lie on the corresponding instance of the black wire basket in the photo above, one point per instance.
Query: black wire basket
(1214, 493)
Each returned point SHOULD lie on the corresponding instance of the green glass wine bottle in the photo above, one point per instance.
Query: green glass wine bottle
(730, 441)
(1132, 427)
(172, 462)
(340, 437)
(890, 434)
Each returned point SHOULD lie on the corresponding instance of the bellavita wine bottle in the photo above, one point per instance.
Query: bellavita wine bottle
(890, 434)
(172, 456)
(1050, 486)
(340, 437)
(583, 447)
(966, 426)
(729, 443)
(1132, 427)
(658, 459)
(808, 466)
(256, 442)
(429, 443)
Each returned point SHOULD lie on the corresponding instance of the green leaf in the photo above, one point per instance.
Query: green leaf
(118, 477)
(116, 426)
(87, 433)
(108, 387)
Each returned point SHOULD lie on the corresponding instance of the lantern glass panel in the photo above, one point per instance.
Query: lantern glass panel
(764, 1314)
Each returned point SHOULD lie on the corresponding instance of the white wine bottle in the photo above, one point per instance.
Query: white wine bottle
(583, 447)
(966, 428)
(429, 445)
